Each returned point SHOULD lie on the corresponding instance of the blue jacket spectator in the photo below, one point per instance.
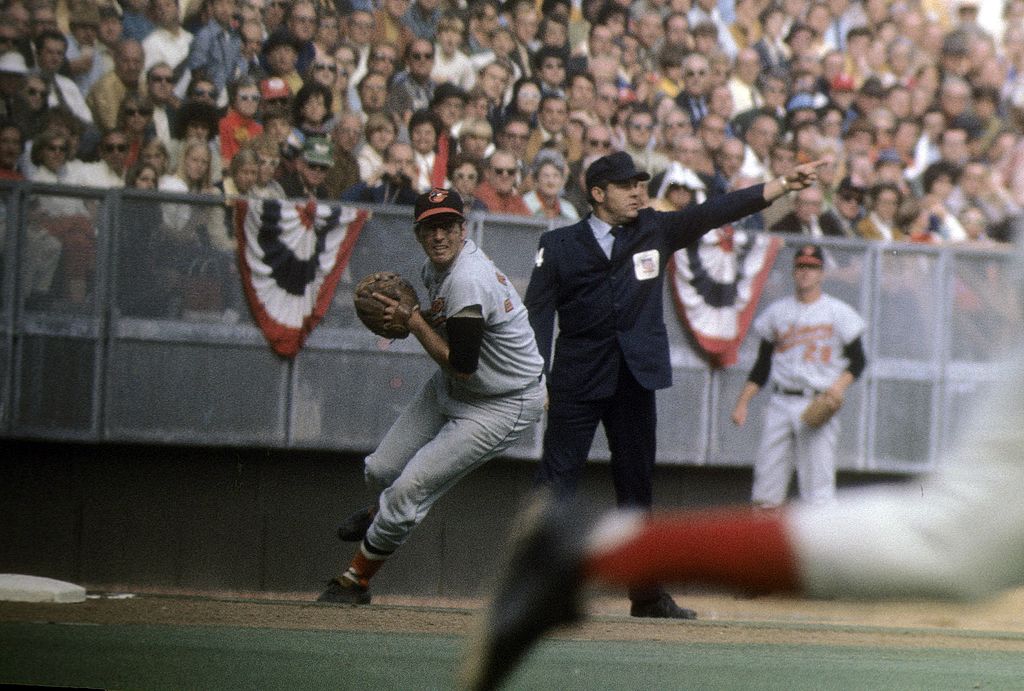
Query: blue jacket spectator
(217, 48)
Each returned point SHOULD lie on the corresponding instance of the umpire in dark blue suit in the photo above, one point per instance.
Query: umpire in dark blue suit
(603, 278)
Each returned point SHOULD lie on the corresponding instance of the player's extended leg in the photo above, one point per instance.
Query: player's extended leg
(475, 433)
(553, 555)
(417, 425)
(472, 434)
(567, 438)
(773, 465)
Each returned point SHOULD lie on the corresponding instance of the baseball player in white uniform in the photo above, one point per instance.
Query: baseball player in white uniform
(810, 346)
(487, 391)
(957, 534)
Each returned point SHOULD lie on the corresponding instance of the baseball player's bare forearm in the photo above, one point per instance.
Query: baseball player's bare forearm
(739, 412)
(841, 384)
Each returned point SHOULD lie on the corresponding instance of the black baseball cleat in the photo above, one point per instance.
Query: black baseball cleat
(661, 607)
(539, 589)
(344, 591)
(354, 527)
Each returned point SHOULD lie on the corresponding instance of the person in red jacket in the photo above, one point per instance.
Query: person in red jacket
(498, 190)
(239, 126)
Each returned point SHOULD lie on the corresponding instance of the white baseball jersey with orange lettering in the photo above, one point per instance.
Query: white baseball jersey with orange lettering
(809, 340)
(808, 356)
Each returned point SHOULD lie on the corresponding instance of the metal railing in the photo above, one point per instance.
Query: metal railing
(148, 338)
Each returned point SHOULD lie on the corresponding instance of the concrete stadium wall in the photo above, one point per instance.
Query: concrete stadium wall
(228, 519)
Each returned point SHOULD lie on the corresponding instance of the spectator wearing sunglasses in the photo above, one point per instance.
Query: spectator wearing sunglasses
(168, 42)
(64, 123)
(49, 154)
(341, 86)
(498, 190)
(68, 247)
(465, 173)
(135, 119)
(640, 142)
(202, 88)
(160, 83)
(412, 89)
(693, 99)
(109, 171)
(323, 70)
(30, 106)
(239, 125)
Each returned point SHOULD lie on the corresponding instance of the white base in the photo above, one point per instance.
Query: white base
(18, 588)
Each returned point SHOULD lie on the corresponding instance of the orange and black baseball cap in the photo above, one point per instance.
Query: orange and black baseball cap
(809, 255)
(438, 205)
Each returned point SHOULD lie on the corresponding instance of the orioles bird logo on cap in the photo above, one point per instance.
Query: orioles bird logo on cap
(437, 195)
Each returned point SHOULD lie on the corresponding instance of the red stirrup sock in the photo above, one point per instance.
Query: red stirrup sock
(738, 549)
(364, 565)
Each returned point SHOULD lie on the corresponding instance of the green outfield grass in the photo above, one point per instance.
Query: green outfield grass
(171, 657)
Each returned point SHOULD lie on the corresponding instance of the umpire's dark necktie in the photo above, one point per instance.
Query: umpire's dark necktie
(616, 232)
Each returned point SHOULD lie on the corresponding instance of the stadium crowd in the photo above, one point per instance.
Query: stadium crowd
(918, 105)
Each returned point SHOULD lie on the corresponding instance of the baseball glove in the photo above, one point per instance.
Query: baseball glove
(371, 311)
(820, 410)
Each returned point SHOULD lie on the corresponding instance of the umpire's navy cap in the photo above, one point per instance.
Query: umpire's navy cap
(616, 167)
(809, 255)
(438, 205)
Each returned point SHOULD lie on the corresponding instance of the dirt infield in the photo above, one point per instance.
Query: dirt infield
(993, 625)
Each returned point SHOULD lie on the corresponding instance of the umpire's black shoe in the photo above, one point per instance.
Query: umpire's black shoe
(539, 589)
(344, 591)
(353, 528)
(662, 607)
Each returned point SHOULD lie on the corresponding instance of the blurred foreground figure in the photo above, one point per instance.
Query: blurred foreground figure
(956, 535)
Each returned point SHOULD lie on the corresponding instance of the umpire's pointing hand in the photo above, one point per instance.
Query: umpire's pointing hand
(803, 175)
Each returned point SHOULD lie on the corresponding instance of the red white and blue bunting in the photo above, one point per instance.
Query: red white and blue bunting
(716, 285)
(291, 256)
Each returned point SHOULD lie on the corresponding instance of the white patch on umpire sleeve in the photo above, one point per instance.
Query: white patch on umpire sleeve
(539, 259)
(646, 265)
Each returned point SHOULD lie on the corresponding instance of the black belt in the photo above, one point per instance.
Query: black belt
(795, 392)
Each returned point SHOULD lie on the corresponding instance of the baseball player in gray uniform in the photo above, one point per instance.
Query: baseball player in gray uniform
(810, 346)
(487, 391)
